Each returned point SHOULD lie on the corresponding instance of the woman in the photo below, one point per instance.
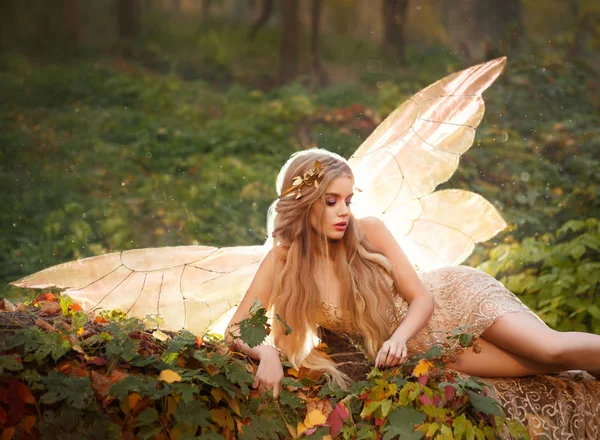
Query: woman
(328, 269)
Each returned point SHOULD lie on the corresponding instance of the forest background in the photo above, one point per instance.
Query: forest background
(131, 124)
(139, 123)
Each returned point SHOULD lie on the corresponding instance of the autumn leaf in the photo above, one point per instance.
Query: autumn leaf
(222, 417)
(169, 376)
(336, 418)
(422, 368)
(314, 418)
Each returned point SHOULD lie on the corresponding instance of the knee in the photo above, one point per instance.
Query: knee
(552, 351)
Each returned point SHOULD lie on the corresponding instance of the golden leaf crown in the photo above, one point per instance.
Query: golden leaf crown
(309, 178)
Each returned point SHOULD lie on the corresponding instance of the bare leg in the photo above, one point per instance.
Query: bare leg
(526, 336)
(496, 362)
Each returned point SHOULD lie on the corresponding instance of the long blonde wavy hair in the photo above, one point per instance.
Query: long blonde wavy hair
(360, 268)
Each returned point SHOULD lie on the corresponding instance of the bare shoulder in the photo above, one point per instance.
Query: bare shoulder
(374, 230)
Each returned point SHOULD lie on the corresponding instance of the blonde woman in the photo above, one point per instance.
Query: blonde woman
(329, 269)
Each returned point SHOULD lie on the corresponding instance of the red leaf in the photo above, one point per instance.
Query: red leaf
(424, 399)
(8, 433)
(45, 297)
(97, 360)
(423, 379)
(75, 307)
(336, 418)
(449, 392)
(378, 421)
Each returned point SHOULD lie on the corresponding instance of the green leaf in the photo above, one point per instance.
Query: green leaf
(76, 391)
(290, 399)
(485, 404)
(237, 374)
(194, 413)
(10, 363)
(288, 329)
(251, 334)
(65, 302)
(401, 422)
(146, 417)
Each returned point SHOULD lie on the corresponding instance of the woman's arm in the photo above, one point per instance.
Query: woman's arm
(421, 303)
(260, 288)
(270, 370)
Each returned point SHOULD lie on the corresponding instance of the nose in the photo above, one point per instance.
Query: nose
(344, 210)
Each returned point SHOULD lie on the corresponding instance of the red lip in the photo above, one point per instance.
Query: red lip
(341, 224)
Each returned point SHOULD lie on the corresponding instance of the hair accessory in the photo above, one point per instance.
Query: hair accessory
(309, 178)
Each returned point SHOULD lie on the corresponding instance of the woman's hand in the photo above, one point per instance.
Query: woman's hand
(393, 352)
(269, 372)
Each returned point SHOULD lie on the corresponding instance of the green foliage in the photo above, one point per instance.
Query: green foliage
(192, 388)
(557, 274)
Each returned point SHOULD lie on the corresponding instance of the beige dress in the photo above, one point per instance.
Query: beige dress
(565, 406)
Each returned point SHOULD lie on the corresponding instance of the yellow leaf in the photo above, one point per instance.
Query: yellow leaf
(300, 428)
(222, 417)
(128, 405)
(422, 368)
(169, 376)
(326, 437)
(161, 336)
(314, 418)
(172, 403)
(217, 394)
(292, 372)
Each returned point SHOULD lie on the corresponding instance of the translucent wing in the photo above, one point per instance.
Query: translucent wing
(190, 287)
(417, 147)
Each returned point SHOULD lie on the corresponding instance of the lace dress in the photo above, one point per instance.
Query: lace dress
(464, 297)
(564, 406)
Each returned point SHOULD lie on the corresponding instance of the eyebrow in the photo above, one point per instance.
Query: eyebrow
(337, 195)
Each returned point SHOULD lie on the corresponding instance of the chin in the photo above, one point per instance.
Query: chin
(337, 235)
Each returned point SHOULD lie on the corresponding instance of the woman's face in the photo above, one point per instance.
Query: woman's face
(334, 212)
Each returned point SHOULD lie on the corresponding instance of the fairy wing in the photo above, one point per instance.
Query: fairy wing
(190, 287)
(417, 147)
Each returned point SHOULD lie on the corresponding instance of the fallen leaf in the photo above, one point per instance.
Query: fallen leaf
(100, 384)
(48, 308)
(222, 417)
(8, 433)
(422, 368)
(161, 336)
(44, 325)
(169, 376)
(7, 306)
(314, 418)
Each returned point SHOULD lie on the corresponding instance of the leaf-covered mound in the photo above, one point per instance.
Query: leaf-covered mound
(67, 374)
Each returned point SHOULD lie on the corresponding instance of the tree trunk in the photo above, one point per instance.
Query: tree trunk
(206, 10)
(394, 27)
(482, 29)
(177, 6)
(71, 21)
(289, 49)
(317, 69)
(266, 10)
(128, 20)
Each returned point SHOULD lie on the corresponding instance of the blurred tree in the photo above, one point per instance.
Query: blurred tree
(70, 8)
(266, 10)
(587, 17)
(128, 18)
(237, 10)
(482, 29)
(176, 6)
(317, 70)
(290, 47)
(394, 27)
(206, 4)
